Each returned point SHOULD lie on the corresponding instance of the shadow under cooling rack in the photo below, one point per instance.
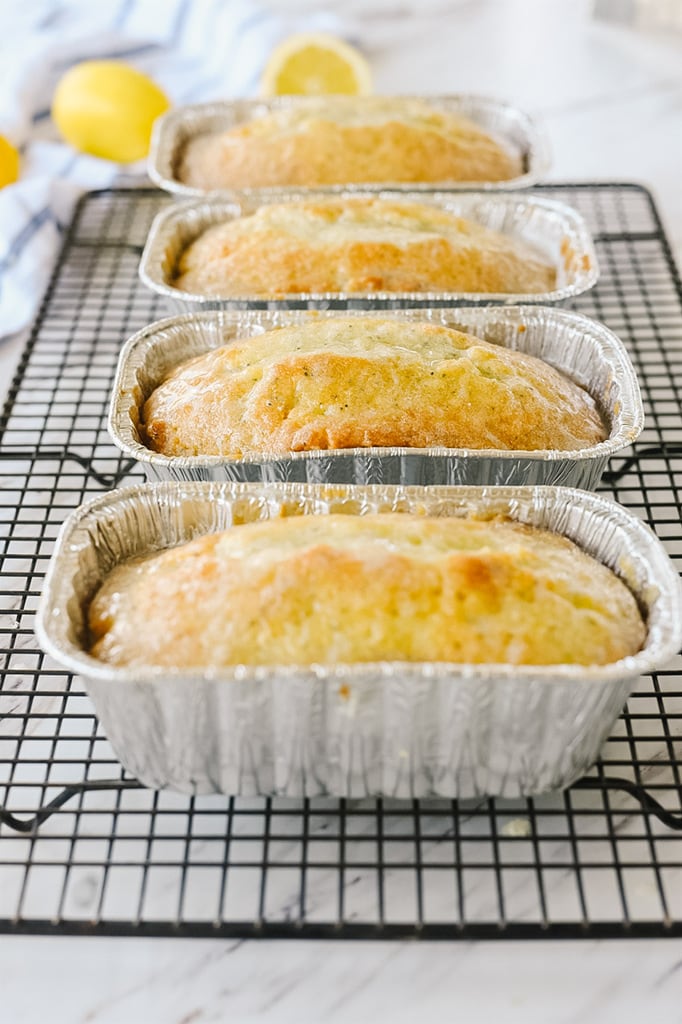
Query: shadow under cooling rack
(83, 849)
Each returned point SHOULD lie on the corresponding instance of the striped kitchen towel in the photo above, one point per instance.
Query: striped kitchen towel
(194, 49)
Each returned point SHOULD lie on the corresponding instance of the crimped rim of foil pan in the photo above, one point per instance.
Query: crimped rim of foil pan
(506, 122)
(626, 421)
(638, 557)
(546, 224)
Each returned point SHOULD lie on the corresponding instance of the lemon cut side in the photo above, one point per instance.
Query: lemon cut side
(316, 64)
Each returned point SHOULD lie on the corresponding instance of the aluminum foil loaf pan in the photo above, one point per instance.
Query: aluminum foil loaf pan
(554, 229)
(586, 351)
(515, 130)
(399, 729)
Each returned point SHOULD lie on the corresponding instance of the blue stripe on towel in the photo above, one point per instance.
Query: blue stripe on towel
(46, 216)
(35, 221)
(123, 12)
(124, 54)
(204, 85)
(27, 232)
(180, 19)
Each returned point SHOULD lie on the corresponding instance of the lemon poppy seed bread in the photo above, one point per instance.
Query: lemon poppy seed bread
(366, 382)
(347, 140)
(382, 587)
(357, 245)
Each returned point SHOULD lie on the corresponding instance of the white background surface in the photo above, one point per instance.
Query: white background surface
(612, 102)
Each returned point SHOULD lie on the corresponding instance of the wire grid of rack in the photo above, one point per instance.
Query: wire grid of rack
(83, 848)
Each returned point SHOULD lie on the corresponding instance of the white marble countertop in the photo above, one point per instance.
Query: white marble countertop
(611, 100)
(196, 981)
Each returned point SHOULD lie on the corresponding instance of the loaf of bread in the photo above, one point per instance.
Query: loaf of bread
(345, 140)
(357, 245)
(358, 382)
(382, 587)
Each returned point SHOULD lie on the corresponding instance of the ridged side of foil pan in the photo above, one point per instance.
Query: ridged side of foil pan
(391, 728)
(554, 229)
(510, 126)
(584, 350)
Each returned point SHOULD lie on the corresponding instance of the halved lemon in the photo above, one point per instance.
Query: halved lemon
(315, 64)
(9, 162)
(107, 108)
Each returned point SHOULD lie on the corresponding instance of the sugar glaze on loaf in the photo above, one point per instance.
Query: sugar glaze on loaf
(345, 140)
(339, 383)
(383, 587)
(352, 245)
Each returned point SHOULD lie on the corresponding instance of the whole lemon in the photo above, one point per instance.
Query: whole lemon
(107, 108)
(9, 162)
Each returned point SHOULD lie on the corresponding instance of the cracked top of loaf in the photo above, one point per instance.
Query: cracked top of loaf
(358, 245)
(335, 383)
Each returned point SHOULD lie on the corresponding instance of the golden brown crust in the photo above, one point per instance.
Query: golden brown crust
(360, 382)
(357, 245)
(343, 589)
(341, 140)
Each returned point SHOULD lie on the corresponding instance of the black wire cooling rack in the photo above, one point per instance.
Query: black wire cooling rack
(84, 849)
